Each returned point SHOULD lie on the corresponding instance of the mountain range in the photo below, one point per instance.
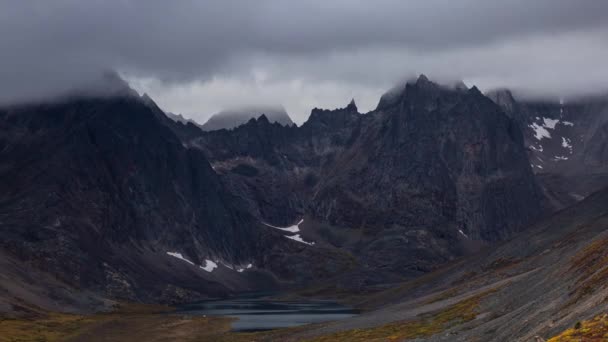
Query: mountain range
(439, 195)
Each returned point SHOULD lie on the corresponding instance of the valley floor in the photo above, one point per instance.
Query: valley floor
(440, 313)
(129, 323)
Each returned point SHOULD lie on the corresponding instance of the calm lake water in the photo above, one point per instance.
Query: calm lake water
(255, 313)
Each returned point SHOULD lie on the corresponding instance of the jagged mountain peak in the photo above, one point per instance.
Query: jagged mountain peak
(263, 119)
(333, 118)
(475, 91)
(108, 84)
(352, 106)
(420, 85)
(232, 118)
(422, 79)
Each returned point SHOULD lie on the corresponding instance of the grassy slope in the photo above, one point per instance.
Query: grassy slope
(425, 326)
(593, 330)
(127, 323)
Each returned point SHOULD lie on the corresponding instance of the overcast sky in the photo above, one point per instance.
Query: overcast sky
(197, 57)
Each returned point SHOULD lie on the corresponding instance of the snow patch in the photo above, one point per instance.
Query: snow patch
(292, 229)
(537, 149)
(299, 239)
(566, 143)
(209, 266)
(462, 233)
(560, 158)
(540, 132)
(180, 256)
(240, 270)
(550, 123)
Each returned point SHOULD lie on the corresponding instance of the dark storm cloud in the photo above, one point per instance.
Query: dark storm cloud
(50, 46)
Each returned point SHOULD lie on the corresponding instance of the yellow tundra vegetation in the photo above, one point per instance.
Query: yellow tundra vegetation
(128, 323)
(594, 330)
(459, 313)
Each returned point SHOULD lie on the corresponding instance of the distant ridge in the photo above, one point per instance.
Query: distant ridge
(228, 119)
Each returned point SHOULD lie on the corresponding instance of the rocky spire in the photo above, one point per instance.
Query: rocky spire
(263, 119)
(424, 83)
(422, 79)
(352, 107)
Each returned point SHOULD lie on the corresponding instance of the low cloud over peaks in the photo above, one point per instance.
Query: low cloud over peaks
(198, 57)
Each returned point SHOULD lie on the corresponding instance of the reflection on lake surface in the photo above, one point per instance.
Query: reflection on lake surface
(264, 314)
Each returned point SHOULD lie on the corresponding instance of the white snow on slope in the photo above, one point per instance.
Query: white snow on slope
(540, 132)
(245, 268)
(463, 234)
(550, 123)
(537, 149)
(180, 256)
(566, 143)
(560, 158)
(299, 239)
(292, 229)
(209, 266)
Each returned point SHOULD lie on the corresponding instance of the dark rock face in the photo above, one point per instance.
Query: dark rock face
(101, 189)
(454, 152)
(566, 140)
(93, 176)
(232, 118)
(417, 180)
